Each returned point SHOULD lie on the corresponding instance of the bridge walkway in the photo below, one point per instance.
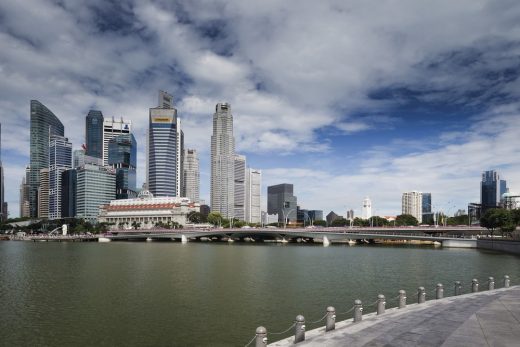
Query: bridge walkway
(489, 318)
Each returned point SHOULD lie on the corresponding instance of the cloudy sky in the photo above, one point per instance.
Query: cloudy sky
(344, 99)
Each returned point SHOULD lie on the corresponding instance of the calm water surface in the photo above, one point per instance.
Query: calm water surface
(200, 294)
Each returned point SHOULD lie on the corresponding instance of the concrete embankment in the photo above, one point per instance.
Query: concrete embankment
(508, 246)
(488, 318)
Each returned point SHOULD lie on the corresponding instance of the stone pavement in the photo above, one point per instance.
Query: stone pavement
(488, 318)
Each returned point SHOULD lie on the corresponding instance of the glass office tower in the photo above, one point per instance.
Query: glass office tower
(60, 159)
(122, 156)
(94, 134)
(69, 181)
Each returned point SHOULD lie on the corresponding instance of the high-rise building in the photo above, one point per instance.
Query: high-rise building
(165, 145)
(253, 196)
(94, 134)
(315, 215)
(3, 214)
(43, 194)
(122, 156)
(43, 124)
(412, 204)
(366, 212)
(79, 158)
(24, 195)
(69, 181)
(331, 217)
(191, 175)
(240, 187)
(491, 190)
(113, 128)
(96, 186)
(60, 159)
(223, 162)
(427, 214)
(350, 214)
(281, 201)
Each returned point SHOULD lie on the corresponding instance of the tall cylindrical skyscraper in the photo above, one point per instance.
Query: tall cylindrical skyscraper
(222, 161)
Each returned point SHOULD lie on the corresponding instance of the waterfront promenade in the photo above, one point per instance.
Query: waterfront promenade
(488, 318)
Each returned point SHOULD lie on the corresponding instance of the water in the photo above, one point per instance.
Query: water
(197, 294)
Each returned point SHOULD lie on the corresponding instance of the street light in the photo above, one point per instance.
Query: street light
(286, 204)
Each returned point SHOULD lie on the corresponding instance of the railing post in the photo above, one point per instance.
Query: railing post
(299, 329)
(421, 295)
(491, 283)
(358, 311)
(439, 291)
(402, 299)
(261, 337)
(331, 319)
(474, 285)
(381, 304)
(458, 288)
(507, 281)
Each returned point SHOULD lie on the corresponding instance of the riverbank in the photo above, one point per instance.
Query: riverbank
(508, 246)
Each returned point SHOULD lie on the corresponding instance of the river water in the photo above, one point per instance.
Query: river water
(208, 294)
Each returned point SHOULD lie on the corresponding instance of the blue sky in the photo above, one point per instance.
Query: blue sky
(345, 99)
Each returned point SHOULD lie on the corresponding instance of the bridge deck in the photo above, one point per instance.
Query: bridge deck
(490, 318)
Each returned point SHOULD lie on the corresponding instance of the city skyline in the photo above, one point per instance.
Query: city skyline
(391, 108)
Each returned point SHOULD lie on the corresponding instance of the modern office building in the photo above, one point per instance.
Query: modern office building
(60, 159)
(269, 218)
(222, 193)
(69, 182)
(350, 214)
(43, 124)
(412, 204)
(24, 195)
(427, 208)
(122, 157)
(474, 213)
(165, 146)
(281, 201)
(253, 196)
(43, 194)
(79, 158)
(315, 215)
(147, 211)
(366, 211)
(191, 175)
(491, 190)
(94, 134)
(331, 217)
(96, 186)
(112, 128)
(240, 187)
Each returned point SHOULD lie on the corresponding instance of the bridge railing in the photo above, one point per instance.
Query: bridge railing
(328, 320)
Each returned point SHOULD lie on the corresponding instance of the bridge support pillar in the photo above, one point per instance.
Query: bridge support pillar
(421, 295)
(184, 239)
(491, 283)
(439, 291)
(402, 299)
(331, 319)
(326, 241)
(261, 337)
(358, 311)
(381, 304)
(299, 329)
(474, 285)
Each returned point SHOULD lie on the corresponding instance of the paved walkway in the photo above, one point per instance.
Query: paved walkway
(489, 318)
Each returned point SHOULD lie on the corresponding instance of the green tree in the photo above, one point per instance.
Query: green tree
(406, 220)
(215, 218)
(340, 222)
(515, 214)
(358, 222)
(196, 217)
(136, 225)
(498, 218)
(458, 220)
(320, 223)
(377, 221)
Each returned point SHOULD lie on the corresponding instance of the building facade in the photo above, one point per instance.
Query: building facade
(146, 211)
(427, 208)
(43, 194)
(223, 162)
(331, 217)
(60, 159)
(491, 190)
(69, 182)
(96, 186)
(240, 187)
(112, 128)
(43, 124)
(366, 211)
(24, 195)
(281, 201)
(350, 215)
(253, 196)
(165, 145)
(412, 204)
(94, 134)
(122, 157)
(191, 175)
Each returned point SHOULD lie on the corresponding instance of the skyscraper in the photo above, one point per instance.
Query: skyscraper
(43, 124)
(112, 128)
(412, 204)
(69, 181)
(223, 162)
(94, 134)
(122, 156)
(60, 159)
(281, 201)
(43, 194)
(240, 187)
(427, 214)
(253, 196)
(366, 212)
(96, 186)
(165, 144)
(24, 195)
(491, 190)
(191, 175)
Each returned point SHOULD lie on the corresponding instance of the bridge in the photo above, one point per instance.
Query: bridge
(448, 236)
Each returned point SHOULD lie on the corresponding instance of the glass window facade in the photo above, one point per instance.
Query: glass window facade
(69, 181)
(94, 134)
(122, 156)
(60, 159)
